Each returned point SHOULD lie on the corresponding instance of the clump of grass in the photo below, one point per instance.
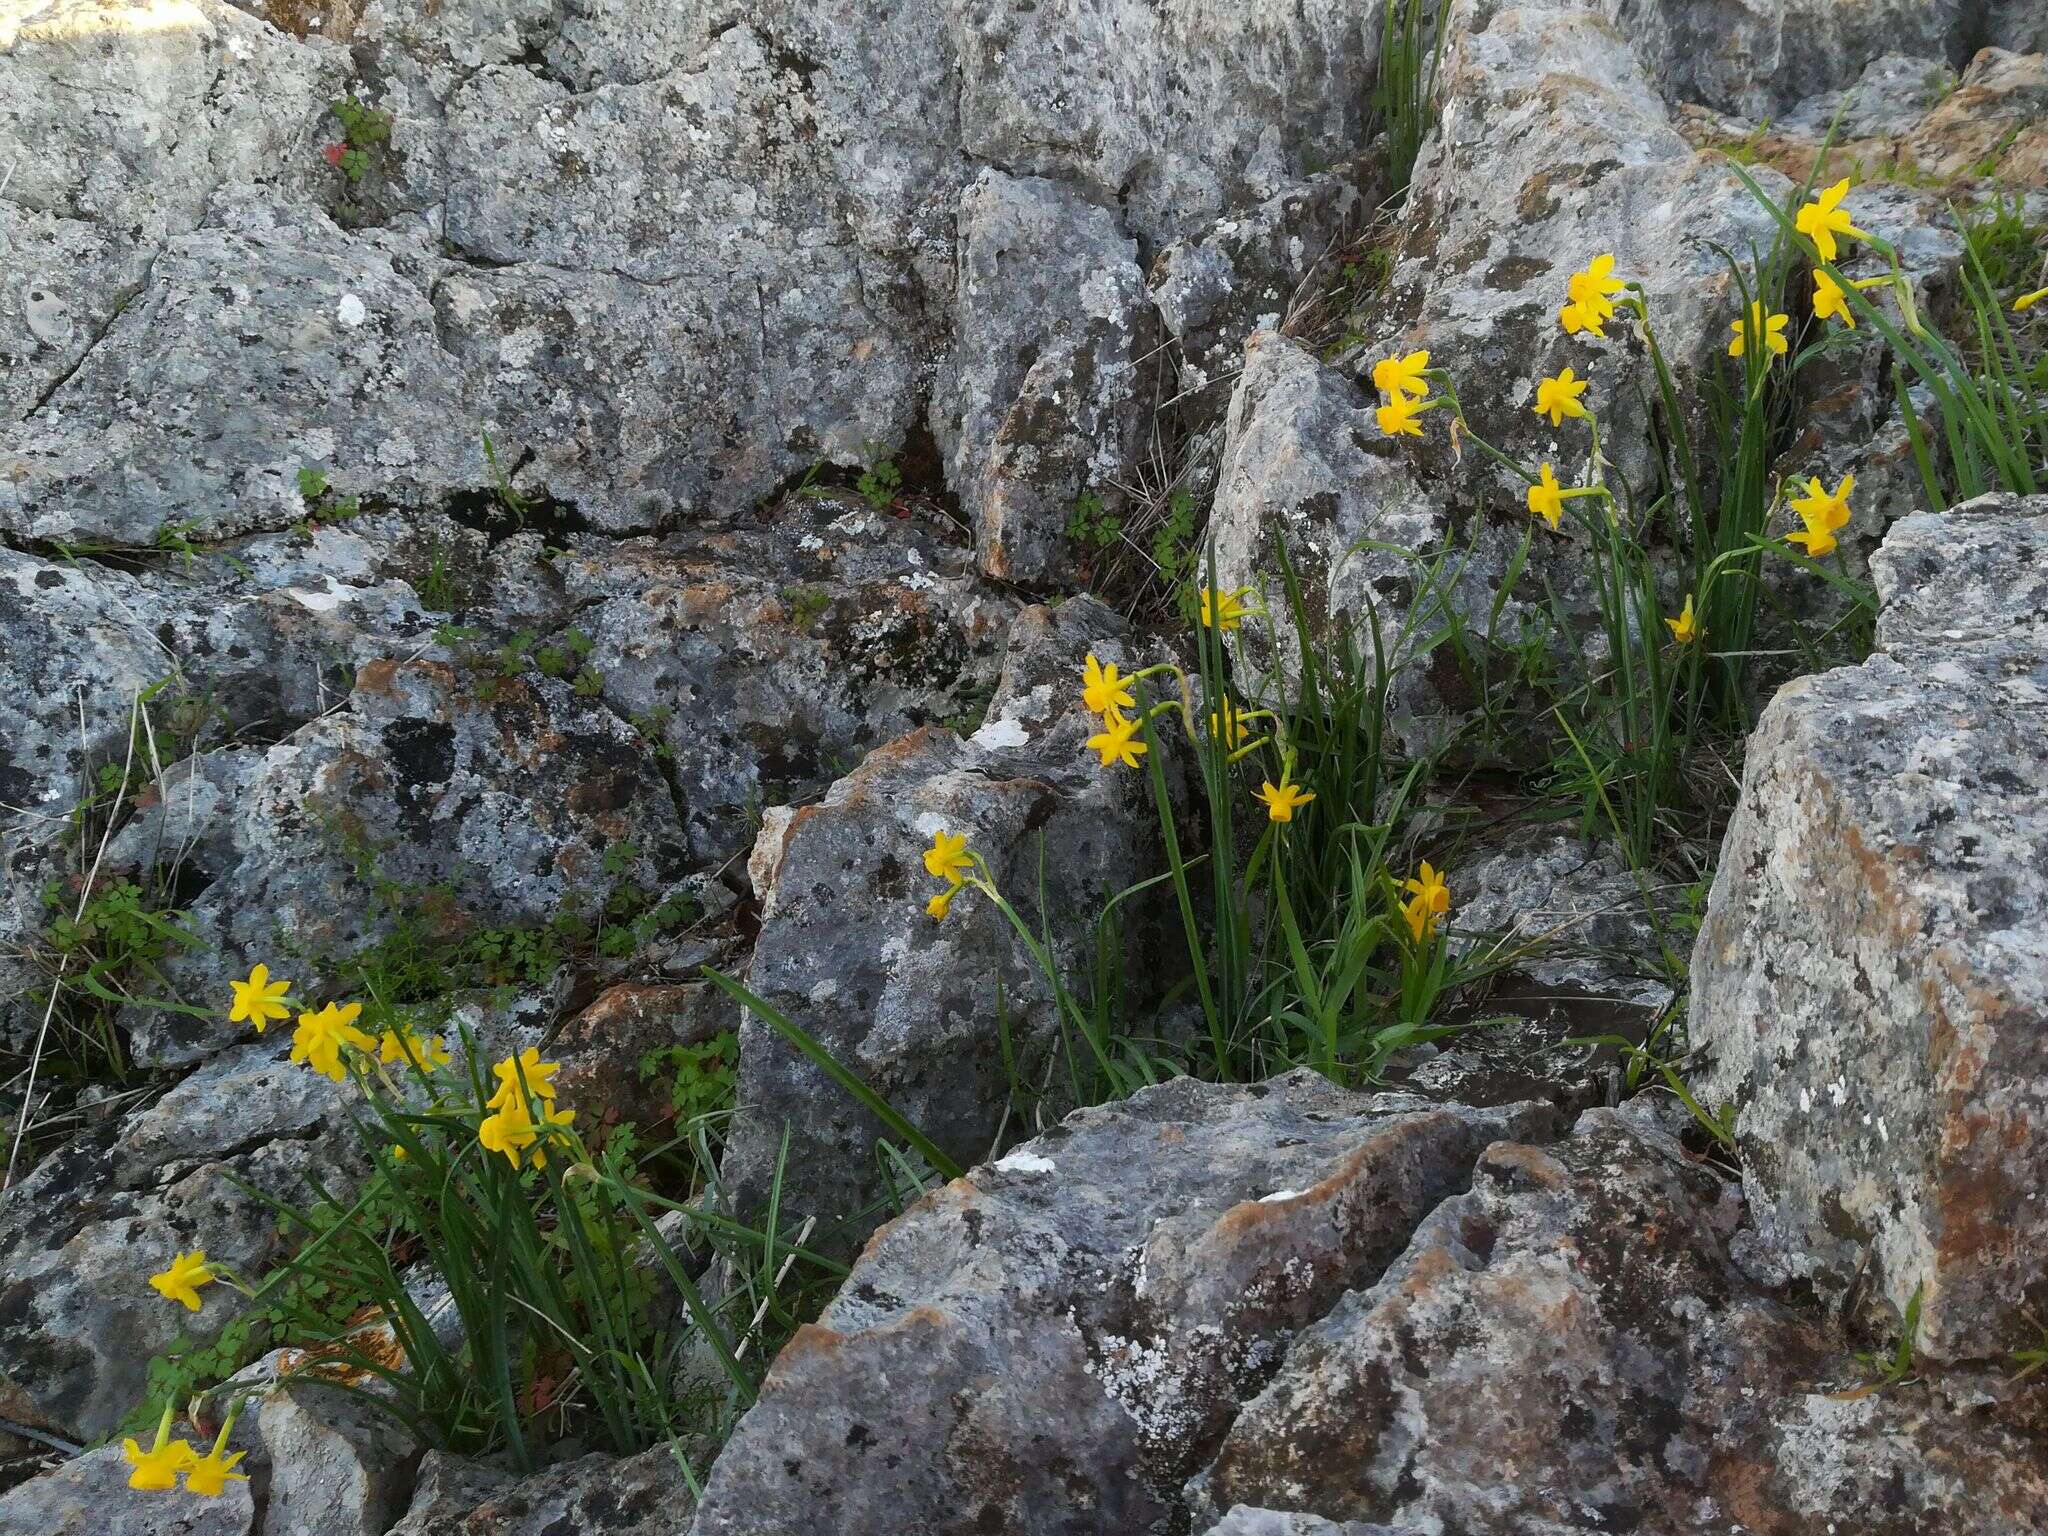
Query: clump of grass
(1412, 36)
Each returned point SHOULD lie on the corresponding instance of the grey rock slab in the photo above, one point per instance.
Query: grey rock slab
(131, 114)
(1048, 1343)
(508, 798)
(1243, 1520)
(1244, 274)
(1760, 57)
(595, 1495)
(266, 344)
(1568, 1347)
(766, 658)
(78, 1242)
(1871, 977)
(340, 1464)
(848, 952)
(1044, 398)
(1184, 111)
(90, 1496)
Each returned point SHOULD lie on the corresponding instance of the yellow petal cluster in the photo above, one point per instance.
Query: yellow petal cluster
(1546, 498)
(1590, 298)
(1823, 219)
(259, 999)
(321, 1038)
(947, 859)
(1225, 609)
(1559, 397)
(1283, 799)
(181, 1282)
(1685, 628)
(1404, 386)
(1771, 328)
(1429, 898)
(1824, 513)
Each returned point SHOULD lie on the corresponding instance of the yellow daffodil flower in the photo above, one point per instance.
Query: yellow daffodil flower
(2027, 301)
(1558, 397)
(1226, 726)
(403, 1044)
(948, 858)
(551, 1119)
(1830, 302)
(157, 1469)
(182, 1280)
(1401, 378)
(1546, 498)
(942, 903)
(539, 1077)
(1590, 294)
(1397, 418)
(259, 999)
(1770, 327)
(1824, 218)
(1117, 742)
(1430, 899)
(320, 1037)
(209, 1475)
(1103, 689)
(1282, 798)
(510, 1131)
(1824, 513)
(1225, 609)
(1685, 628)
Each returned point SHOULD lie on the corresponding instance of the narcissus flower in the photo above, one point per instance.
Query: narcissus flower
(1591, 293)
(1283, 798)
(320, 1037)
(942, 903)
(947, 858)
(1824, 513)
(209, 1475)
(1546, 498)
(2027, 301)
(1401, 378)
(1770, 327)
(156, 1469)
(1225, 609)
(510, 1131)
(1825, 218)
(1397, 418)
(513, 1130)
(1226, 726)
(181, 1282)
(1558, 397)
(1429, 898)
(1117, 741)
(1685, 628)
(1102, 689)
(404, 1045)
(1830, 302)
(538, 1075)
(259, 999)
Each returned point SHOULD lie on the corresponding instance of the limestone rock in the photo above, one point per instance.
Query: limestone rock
(509, 800)
(596, 1495)
(1245, 274)
(340, 1465)
(1569, 1347)
(849, 954)
(1871, 977)
(1758, 57)
(765, 658)
(78, 1242)
(1141, 1266)
(90, 1496)
(1045, 398)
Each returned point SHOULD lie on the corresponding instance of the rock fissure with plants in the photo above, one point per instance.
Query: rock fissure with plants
(1247, 770)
